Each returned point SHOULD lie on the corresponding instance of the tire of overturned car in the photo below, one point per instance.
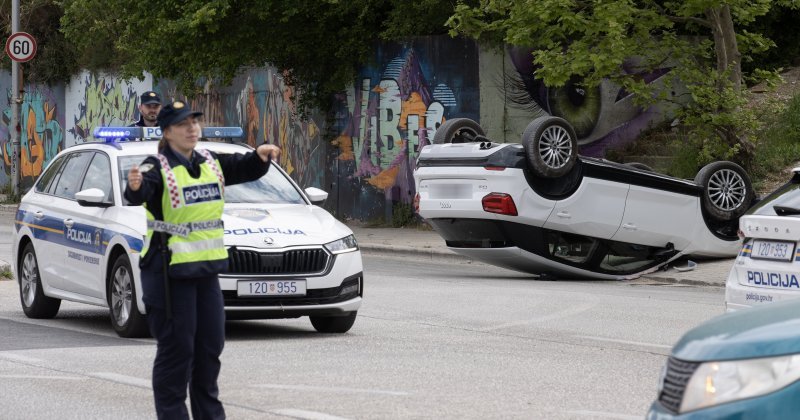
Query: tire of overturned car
(459, 130)
(551, 146)
(727, 190)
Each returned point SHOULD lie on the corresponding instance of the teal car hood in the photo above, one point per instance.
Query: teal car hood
(764, 331)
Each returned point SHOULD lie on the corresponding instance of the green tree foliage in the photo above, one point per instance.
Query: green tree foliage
(319, 44)
(55, 59)
(621, 40)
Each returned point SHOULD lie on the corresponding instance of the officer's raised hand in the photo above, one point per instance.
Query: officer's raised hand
(134, 178)
(267, 152)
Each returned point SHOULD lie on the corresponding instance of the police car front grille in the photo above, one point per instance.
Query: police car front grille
(298, 261)
(675, 380)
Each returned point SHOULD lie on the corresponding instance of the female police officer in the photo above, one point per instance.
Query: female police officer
(182, 192)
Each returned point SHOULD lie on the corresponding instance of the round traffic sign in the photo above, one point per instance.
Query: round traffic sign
(21, 46)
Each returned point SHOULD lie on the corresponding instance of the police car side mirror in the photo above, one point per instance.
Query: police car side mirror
(92, 197)
(316, 195)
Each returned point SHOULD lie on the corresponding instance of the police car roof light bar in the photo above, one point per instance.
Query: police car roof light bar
(113, 133)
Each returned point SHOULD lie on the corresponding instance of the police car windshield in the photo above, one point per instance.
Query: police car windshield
(787, 195)
(274, 187)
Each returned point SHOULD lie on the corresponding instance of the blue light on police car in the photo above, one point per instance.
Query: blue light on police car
(117, 132)
(221, 132)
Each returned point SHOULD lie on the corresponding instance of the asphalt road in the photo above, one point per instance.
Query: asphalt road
(433, 340)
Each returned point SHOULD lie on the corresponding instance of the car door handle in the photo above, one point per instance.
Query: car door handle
(69, 222)
(563, 214)
(39, 215)
(629, 226)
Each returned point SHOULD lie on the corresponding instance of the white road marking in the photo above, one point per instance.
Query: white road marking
(305, 414)
(20, 358)
(46, 377)
(330, 389)
(123, 379)
(635, 343)
(555, 315)
(601, 414)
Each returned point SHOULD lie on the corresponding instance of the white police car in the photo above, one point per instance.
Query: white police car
(768, 267)
(538, 207)
(75, 239)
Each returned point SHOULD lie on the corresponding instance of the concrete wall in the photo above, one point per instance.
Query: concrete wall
(364, 152)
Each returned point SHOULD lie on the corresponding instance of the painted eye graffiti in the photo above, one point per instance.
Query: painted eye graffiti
(577, 104)
(573, 102)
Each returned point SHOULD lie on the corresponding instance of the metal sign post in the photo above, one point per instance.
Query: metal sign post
(13, 128)
(20, 47)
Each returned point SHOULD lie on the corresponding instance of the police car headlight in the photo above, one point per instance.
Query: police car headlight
(716, 383)
(346, 244)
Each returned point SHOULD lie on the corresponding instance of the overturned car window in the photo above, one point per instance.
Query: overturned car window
(570, 247)
(628, 258)
(603, 255)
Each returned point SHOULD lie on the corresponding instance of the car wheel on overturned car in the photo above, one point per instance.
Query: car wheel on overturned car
(551, 146)
(727, 190)
(333, 324)
(34, 303)
(125, 316)
(458, 130)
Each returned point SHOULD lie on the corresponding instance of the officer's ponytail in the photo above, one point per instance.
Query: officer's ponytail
(162, 144)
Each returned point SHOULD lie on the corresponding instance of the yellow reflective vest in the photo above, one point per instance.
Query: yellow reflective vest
(192, 209)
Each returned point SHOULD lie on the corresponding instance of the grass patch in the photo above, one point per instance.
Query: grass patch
(5, 273)
(777, 144)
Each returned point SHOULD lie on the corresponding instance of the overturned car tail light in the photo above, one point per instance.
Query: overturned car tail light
(416, 204)
(499, 203)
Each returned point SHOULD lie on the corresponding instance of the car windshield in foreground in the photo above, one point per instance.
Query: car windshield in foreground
(274, 187)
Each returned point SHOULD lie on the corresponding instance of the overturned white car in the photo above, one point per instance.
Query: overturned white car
(539, 207)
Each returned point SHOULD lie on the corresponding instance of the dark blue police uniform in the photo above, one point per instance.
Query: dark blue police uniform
(190, 330)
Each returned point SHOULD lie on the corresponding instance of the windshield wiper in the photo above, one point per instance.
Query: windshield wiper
(786, 211)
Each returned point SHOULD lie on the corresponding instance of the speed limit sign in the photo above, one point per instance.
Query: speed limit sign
(21, 46)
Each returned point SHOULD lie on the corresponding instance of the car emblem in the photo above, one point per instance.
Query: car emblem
(268, 240)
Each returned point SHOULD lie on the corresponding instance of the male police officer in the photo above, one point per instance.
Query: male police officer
(149, 106)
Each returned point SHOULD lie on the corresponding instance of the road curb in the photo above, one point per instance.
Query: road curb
(8, 208)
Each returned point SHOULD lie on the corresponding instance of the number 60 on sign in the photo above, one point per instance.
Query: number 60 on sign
(21, 46)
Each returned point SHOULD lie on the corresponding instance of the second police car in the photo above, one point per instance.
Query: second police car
(76, 239)
(768, 267)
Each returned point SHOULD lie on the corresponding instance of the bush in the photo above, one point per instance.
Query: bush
(403, 215)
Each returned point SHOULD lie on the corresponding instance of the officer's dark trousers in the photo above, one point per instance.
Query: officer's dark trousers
(189, 346)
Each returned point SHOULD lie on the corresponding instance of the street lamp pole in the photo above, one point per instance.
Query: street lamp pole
(13, 128)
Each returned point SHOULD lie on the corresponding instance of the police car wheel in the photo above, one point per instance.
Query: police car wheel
(125, 316)
(333, 324)
(34, 303)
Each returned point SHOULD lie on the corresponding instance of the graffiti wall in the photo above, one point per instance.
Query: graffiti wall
(261, 103)
(41, 127)
(95, 100)
(604, 117)
(393, 110)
